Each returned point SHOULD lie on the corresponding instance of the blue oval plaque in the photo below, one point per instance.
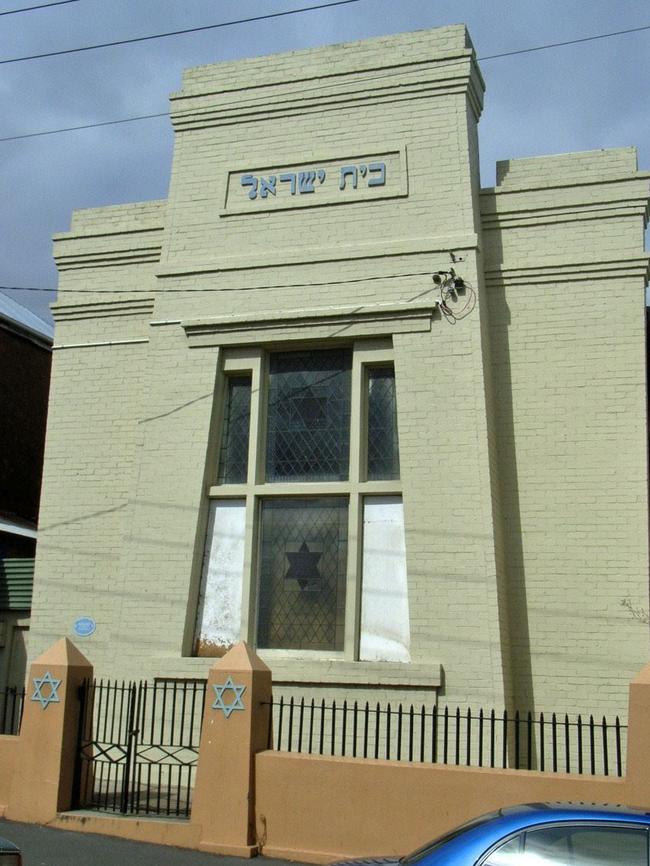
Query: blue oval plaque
(84, 626)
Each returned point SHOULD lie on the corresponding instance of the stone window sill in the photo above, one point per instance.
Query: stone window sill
(323, 671)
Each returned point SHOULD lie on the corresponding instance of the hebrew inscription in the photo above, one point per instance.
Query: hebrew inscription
(320, 183)
(376, 173)
(306, 180)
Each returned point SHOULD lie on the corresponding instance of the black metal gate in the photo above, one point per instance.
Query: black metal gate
(138, 746)
(12, 701)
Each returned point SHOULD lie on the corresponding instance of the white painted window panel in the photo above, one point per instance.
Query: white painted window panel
(385, 628)
(220, 599)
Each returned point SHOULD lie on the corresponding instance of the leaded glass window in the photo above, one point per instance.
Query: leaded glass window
(233, 458)
(302, 573)
(383, 447)
(306, 550)
(308, 417)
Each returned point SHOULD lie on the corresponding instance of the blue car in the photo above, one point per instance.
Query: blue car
(539, 834)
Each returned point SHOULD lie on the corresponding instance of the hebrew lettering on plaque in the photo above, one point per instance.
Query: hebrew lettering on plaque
(381, 175)
(310, 180)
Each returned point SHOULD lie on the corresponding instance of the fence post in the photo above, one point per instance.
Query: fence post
(235, 727)
(637, 773)
(44, 777)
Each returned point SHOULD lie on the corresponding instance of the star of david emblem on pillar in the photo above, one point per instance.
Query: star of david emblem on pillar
(236, 704)
(50, 696)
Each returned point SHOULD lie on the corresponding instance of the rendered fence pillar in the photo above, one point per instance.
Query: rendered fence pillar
(235, 727)
(43, 781)
(637, 776)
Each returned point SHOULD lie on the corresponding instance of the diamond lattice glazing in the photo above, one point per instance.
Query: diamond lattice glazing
(302, 573)
(383, 446)
(308, 419)
(233, 458)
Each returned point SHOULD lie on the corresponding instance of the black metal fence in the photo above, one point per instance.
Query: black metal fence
(11, 710)
(548, 743)
(138, 746)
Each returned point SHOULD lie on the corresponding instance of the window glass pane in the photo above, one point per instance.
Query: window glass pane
(547, 846)
(507, 855)
(609, 846)
(308, 419)
(233, 459)
(218, 618)
(303, 573)
(383, 448)
(586, 846)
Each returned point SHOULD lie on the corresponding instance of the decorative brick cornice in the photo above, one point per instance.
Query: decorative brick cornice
(135, 306)
(546, 203)
(636, 267)
(323, 323)
(450, 72)
(563, 214)
(286, 256)
(140, 256)
(107, 249)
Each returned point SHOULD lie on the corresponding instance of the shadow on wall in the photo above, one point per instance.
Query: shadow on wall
(514, 605)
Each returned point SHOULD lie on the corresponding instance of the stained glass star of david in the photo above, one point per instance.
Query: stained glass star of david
(50, 696)
(303, 568)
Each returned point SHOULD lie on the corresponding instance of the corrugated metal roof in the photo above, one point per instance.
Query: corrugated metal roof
(16, 583)
(14, 528)
(24, 319)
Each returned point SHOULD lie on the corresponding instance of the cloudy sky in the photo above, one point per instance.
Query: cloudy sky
(583, 96)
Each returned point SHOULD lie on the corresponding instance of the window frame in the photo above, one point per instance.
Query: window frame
(254, 361)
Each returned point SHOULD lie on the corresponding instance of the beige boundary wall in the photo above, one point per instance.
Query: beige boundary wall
(248, 800)
(384, 807)
(8, 754)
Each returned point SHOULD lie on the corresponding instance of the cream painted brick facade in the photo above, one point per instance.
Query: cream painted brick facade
(522, 427)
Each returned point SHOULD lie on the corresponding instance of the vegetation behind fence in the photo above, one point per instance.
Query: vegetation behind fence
(549, 742)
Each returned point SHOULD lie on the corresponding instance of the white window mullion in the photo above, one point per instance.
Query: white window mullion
(249, 590)
(354, 513)
(353, 586)
(255, 469)
(255, 452)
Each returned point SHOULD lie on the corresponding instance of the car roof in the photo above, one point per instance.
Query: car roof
(479, 834)
(542, 813)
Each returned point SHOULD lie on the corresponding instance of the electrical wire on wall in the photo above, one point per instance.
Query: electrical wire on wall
(452, 288)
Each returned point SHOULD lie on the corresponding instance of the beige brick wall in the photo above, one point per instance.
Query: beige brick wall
(91, 449)
(565, 289)
(522, 426)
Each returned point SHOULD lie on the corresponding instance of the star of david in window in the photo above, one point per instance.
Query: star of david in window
(45, 690)
(236, 704)
(303, 567)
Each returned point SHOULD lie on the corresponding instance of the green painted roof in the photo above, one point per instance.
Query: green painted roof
(16, 583)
